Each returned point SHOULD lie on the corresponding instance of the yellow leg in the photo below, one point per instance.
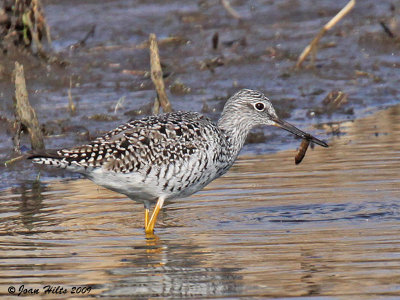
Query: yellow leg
(150, 225)
(146, 217)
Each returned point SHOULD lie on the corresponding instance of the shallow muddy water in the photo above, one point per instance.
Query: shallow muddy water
(327, 227)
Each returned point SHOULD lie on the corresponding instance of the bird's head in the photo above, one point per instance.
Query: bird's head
(249, 108)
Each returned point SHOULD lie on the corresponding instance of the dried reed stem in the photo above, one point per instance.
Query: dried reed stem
(71, 104)
(157, 76)
(24, 113)
(230, 9)
(312, 47)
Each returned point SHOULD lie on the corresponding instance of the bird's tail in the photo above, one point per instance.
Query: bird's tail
(73, 159)
(52, 158)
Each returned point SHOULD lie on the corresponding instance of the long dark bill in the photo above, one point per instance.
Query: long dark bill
(292, 129)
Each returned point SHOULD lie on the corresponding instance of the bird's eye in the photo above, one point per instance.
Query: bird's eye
(259, 106)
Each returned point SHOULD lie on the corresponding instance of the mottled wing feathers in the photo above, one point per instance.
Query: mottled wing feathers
(138, 145)
(156, 141)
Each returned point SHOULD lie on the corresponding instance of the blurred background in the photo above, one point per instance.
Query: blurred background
(327, 227)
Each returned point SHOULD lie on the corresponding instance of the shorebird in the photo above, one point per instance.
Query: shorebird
(172, 155)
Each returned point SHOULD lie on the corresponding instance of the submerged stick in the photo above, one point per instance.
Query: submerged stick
(24, 113)
(157, 75)
(312, 47)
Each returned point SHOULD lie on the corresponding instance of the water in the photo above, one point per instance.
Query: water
(327, 227)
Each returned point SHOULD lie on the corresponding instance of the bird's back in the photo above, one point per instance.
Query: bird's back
(173, 155)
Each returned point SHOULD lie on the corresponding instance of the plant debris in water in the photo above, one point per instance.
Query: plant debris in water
(23, 24)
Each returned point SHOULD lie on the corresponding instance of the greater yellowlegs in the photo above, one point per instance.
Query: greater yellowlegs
(171, 155)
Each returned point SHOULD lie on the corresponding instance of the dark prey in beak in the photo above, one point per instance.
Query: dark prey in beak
(292, 129)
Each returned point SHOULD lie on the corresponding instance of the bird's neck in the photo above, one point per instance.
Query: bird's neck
(236, 131)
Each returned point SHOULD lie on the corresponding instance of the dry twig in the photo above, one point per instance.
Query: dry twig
(312, 47)
(24, 113)
(71, 104)
(119, 104)
(230, 9)
(14, 160)
(157, 77)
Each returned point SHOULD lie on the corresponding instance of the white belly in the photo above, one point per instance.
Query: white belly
(174, 181)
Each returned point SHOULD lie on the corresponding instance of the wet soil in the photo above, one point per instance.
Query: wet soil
(268, 228)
